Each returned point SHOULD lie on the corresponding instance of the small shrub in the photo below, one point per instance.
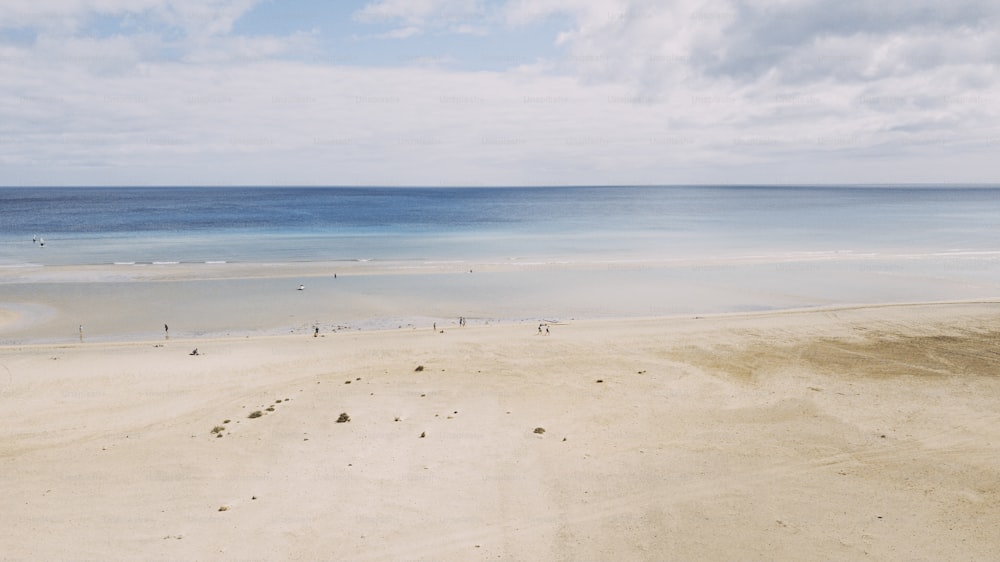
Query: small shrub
(344, 418)
(255, 414)
(419, 368)
(270, 408)
(218, 429)
(226, 421)
(539, 430)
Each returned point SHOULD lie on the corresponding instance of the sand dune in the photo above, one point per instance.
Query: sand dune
(834, 434)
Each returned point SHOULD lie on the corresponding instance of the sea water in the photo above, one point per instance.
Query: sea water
(88, 225)
(562, 252)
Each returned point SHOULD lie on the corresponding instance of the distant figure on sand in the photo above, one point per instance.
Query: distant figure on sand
(302, 287)
(195, 352)
(166, 330)
(316, 331)
(546, 330)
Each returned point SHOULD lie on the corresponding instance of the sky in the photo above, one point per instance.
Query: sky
(498, 92)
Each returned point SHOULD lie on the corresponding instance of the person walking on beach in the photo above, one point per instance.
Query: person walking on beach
(166, 331)
(315, 331)
(81, 333)
(546, 330)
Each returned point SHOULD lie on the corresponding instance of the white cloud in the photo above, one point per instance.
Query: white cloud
(642, 92)
(419, 12)
(201, 17)
(401, 33)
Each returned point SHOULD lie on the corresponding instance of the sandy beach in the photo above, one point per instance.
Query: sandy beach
(842, 433)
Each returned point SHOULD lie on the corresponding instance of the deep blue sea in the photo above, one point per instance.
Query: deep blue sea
(88, 225)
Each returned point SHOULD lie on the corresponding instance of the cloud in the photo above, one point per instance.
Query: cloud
(468, 17)
(401, 33)
(419, 12)
(639, 92)
(196, 17)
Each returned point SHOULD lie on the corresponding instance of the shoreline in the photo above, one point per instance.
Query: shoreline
(231, 270)
(128, 302)
(447, 325)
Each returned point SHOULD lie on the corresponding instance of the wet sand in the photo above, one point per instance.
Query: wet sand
(132, 302)
(842, 433)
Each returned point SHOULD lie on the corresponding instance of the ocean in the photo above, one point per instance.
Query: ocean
(87, 226)
(405, 254)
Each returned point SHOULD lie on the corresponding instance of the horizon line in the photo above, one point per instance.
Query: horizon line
(502, 186)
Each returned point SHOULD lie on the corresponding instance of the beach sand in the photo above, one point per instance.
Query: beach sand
(843, 433)
(7, 318)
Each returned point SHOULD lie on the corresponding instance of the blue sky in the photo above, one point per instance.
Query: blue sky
(503, 92)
